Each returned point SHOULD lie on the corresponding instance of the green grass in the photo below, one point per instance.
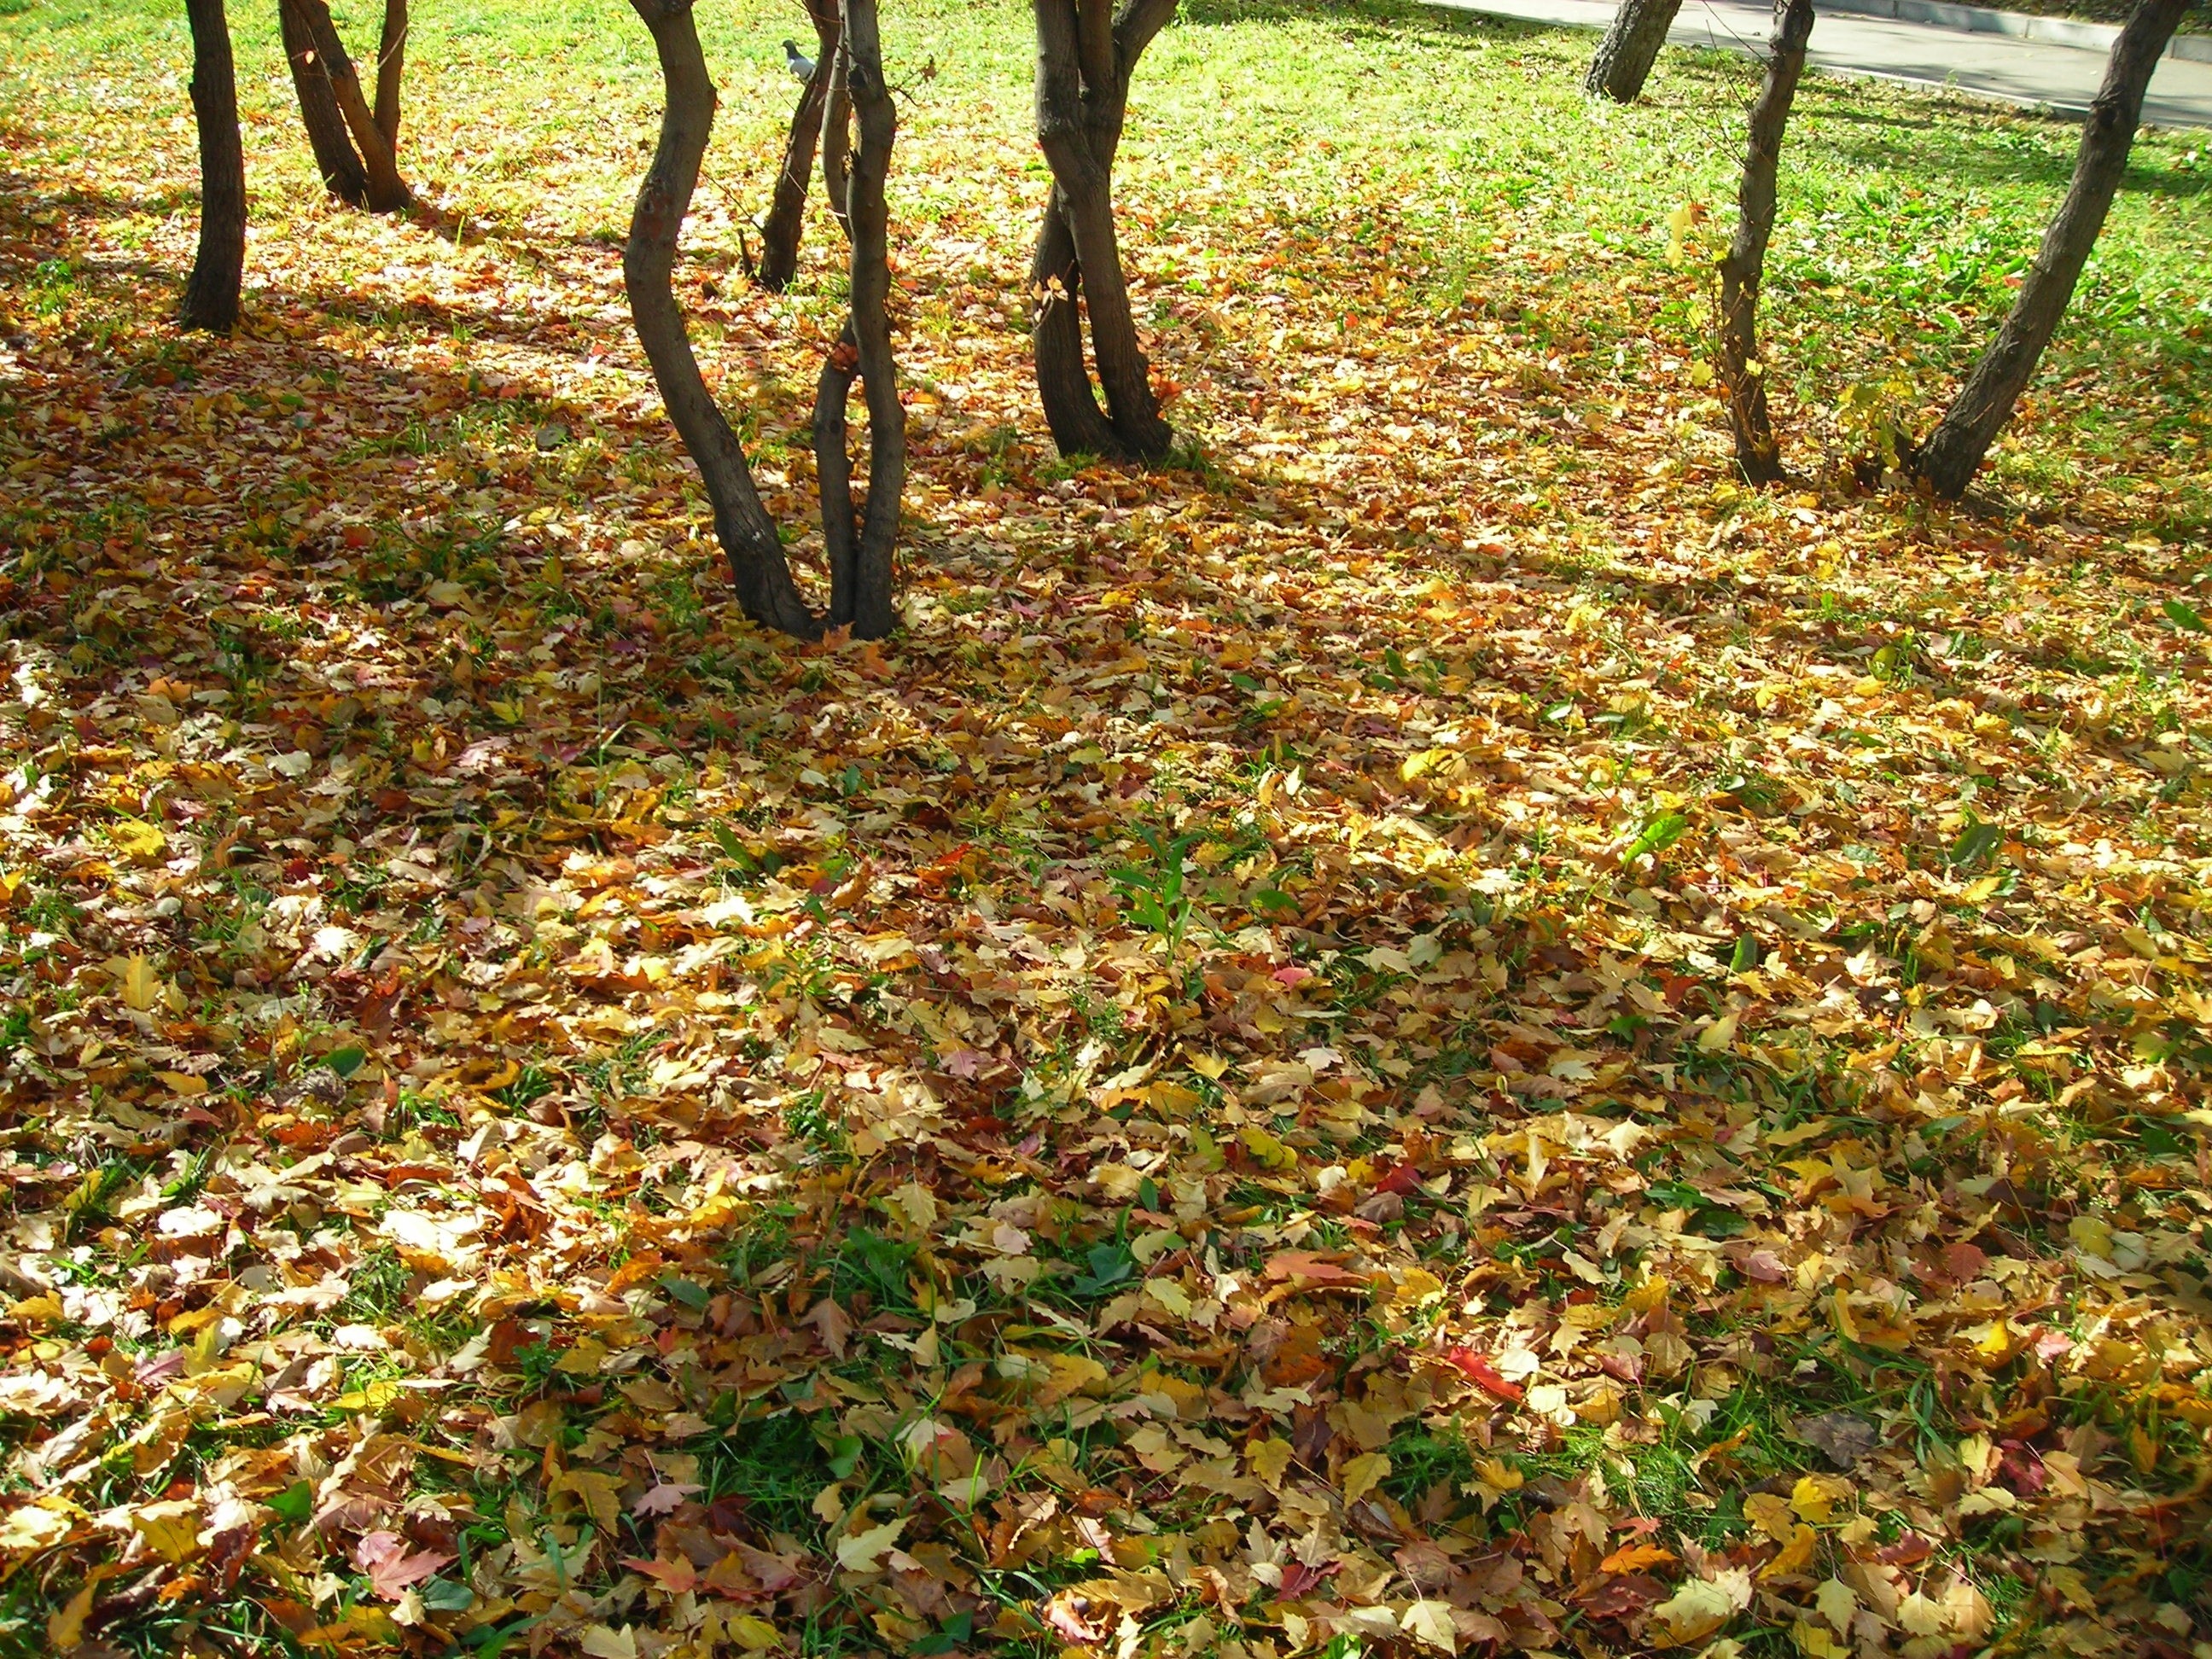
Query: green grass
(1477, 170)
(1403, 170)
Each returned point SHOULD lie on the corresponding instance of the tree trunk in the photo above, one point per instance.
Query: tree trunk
(837, 146)
(1630, 46)
(1086, 55)
(787, 215)
(319, 112)
(757, 568)
(1946, 462)
(391, 63)
(387, 192)
(860, 541)
(211, 296)
(867, 216)
(1743, 376)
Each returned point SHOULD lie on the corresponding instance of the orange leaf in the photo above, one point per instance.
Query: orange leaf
(1635, 1557)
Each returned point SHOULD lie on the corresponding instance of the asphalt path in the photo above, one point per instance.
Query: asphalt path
(2039, 73)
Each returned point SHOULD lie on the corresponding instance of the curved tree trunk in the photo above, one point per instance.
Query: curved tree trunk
(1086, 55)
(1630, 46)
(390, 64)
(211, 296)
(859, 544)
(1953, 452)
(386, 190)
(781, 230)
(342, 175)
(1743, 376)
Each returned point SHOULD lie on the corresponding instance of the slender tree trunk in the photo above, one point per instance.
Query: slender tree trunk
(1086, 55)
(318, 112)
(211, 296)
(1630, 46)
(837, 146)
(1946, 462)
(860, 541)
(390, 64)
(1079, 426)
(867, 216)
(387, 190)
(1743, 376)
(757, 567)
(781, 230)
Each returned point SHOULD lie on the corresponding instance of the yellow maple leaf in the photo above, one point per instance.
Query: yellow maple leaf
(1794, 1555)
(141, 986)
(170, 1527)
(601, 1495)
(1363, 1473)
(140, 842)
(1771, 1515)
(1270, 1459)
(1814, 1497)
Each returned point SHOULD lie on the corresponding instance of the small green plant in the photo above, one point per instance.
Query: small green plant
(53, 283)
(1976, 842)
(1158, 900)
(1874, 416)
(1659, 831)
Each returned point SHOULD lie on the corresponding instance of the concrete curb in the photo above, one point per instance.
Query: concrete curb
(1983, 20)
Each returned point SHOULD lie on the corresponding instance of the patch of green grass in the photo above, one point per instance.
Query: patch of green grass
(773, 1466)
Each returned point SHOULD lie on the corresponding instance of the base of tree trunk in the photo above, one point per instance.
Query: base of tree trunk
(1946, 462)
(860, 540)
(210, 299)
(1086, 53)
(354, 146)
(1743, 375)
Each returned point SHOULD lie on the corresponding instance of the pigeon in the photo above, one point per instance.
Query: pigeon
(801, 66)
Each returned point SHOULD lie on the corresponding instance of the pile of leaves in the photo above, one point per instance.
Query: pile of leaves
(1375, 1042)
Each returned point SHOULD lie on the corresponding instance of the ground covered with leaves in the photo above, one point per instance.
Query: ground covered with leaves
(1431, 1032)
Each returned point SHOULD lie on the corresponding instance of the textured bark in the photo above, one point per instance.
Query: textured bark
(391, 65)
(1086, 55)
(387, 192)
(1946, 462)
(343, 175)
(1743, 377)
(1630, 46)
(868, 609)
(757, 568)
(837, 145)
(211, 294)
(780, 231)
(860, 541)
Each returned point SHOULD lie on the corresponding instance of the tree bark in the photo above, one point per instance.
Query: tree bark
(780, 231)
(1630, 46)
(1085, 56)
(387, 192)
(342, 175)
(867, 216)
(211, 294)
(1743, 376)
(390, 64)
(1946, 462)
(860, 541)
(757, 567)
(837, 145)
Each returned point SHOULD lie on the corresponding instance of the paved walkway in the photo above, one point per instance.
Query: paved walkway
(2033, 72)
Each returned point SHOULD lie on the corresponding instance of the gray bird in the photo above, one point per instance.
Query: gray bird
(801, 65)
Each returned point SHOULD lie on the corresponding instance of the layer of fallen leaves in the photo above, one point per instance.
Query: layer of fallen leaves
(1352, 1048)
